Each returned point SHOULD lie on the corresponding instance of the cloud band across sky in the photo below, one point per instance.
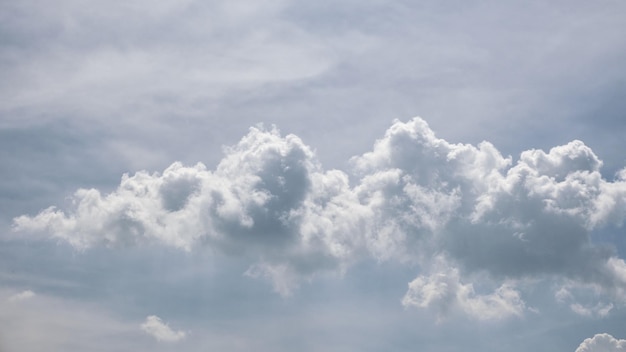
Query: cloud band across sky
(456, 212)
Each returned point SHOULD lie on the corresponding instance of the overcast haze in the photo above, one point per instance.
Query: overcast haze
(337, 176)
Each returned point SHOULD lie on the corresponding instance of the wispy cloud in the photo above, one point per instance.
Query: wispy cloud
(22, 296)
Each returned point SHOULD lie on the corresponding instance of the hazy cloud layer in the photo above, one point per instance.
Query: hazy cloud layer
(87, 52)
(459, 212)
(38, 322)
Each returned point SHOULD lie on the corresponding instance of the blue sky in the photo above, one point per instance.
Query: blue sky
(342, 176)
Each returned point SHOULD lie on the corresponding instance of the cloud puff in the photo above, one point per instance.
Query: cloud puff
(443, 290)
(457, 211)
(22, 296)
(531, 219)
(602, 343)
(162, 332)
(248, 198)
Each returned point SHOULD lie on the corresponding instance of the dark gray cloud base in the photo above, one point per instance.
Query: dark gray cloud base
(463, 214)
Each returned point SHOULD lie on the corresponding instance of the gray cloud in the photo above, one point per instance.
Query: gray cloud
(416, 195)
(88, 52)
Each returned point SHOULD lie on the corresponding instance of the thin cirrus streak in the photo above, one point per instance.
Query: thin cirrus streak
(455, 210)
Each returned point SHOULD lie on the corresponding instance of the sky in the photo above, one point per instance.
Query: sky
(321, 176)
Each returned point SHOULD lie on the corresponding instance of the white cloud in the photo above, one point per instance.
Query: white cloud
(254, 188)
(602, 343)
(443, 291)
(22, 296)
(155, 327)
(416, 198)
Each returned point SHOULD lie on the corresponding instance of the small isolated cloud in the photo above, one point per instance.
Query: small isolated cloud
(602, 343)
(443, 291)
(161, 331)
(22, 296)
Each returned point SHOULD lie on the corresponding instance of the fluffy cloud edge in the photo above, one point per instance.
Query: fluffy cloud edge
(269, 198)
(444, 291)
(602, 343)
(155, 327)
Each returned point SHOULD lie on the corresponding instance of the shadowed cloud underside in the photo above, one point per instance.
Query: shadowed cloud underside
(461, 214)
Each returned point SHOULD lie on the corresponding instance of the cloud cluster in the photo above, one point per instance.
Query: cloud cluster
(246, 199)
(602, 343)
(457, 211)
(155, 327)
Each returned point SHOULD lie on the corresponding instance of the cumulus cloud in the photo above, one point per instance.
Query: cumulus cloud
(249, 198)
(602, 343)
(444, 290)
(531, 219)
(417, 199)
(155, 327)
